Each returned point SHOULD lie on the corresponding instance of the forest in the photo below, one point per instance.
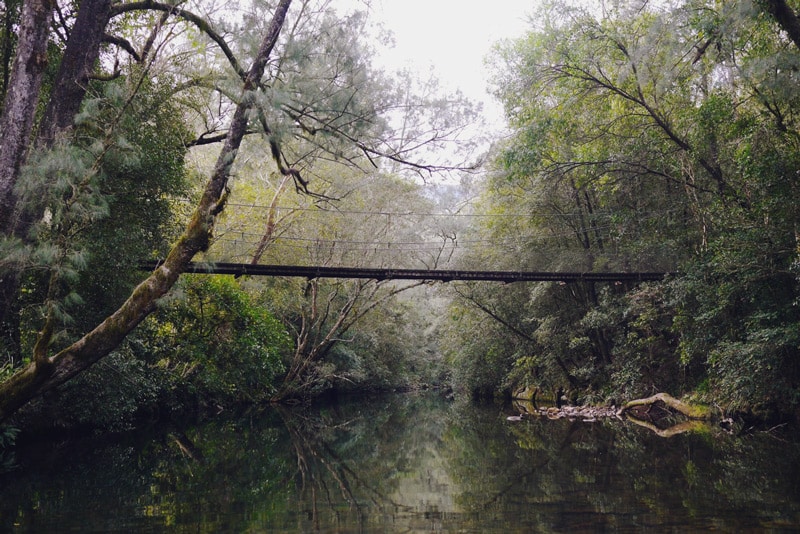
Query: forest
(642, 137)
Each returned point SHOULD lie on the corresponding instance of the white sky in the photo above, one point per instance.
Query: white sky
(452, 37)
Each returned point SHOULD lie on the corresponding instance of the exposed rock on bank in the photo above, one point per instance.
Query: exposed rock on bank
(588, 414)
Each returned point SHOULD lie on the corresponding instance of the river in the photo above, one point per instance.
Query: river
(406, 463)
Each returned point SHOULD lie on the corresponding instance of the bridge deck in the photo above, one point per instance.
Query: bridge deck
(240, 269)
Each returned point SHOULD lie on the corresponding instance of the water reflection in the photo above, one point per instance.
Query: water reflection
(409, 463)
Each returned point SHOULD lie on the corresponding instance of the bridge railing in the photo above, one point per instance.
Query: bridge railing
(240, 269)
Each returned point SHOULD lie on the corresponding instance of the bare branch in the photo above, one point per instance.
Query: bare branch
(201, 23)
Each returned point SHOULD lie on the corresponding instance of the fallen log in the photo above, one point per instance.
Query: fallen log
(690, 410)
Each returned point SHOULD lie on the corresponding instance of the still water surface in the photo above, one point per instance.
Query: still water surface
(408, 463)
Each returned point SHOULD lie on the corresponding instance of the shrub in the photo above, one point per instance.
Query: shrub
(215, 341)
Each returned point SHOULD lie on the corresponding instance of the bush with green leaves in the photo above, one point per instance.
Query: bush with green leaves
(114, 395)
(479, 350)
(215, 341)
(208, 346)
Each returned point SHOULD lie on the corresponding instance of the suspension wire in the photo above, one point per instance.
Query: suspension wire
(554, 214)
(533, 214)
(239, 239)
(519, 240)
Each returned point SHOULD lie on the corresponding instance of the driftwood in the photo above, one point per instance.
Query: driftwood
(692, 411)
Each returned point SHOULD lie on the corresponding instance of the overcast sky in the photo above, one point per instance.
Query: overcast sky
(451, 36)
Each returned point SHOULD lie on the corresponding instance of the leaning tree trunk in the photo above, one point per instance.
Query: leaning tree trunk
(41, 376)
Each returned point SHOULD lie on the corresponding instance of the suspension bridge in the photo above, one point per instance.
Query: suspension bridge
(311, 272)
(381, 244)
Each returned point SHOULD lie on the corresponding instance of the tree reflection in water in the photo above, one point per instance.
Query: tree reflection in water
(414, 463)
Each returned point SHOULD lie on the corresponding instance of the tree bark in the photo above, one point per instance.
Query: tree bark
(16, 128)
(80, 56)
(10, 19)
(786, 18)
(78, 62)
(19, 109)
(35, 379)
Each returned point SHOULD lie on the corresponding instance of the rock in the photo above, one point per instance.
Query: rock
(589, 414)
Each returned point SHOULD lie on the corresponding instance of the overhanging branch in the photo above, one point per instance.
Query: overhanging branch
(188, 16)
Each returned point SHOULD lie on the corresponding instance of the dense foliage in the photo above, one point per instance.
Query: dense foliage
(217, 340)
(347, 334)
(103, 155)
(649, 137)
(644, 137)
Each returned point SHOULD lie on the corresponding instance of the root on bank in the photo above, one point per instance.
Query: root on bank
(690, 410)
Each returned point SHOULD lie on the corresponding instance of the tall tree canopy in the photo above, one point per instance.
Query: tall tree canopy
(653, 136)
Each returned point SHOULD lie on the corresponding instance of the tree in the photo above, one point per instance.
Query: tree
(21, 93)
(655, 137)
(369, 226)
(21, 98)
(46, 371)
(324, 114)
(218, 339)
(785, 17)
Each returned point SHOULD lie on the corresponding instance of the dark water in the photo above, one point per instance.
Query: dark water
(408, 463)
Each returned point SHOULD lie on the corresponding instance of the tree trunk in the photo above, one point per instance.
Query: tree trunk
(787, 18)
(80, 56)
(16, 127)
(19, 110)
(78, 62)
(269, 232)
(36, 379)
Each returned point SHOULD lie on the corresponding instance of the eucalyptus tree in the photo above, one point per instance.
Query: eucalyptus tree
(301, 93)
